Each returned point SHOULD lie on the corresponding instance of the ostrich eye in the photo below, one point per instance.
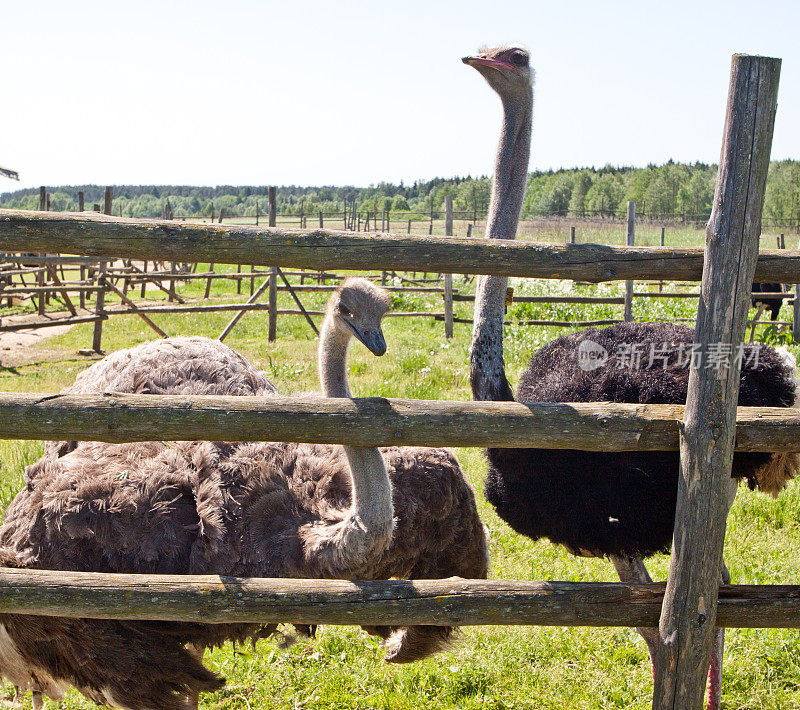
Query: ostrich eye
(518, 59)
(344, 310)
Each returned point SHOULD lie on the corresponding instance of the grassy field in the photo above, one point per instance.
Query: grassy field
(489, 667)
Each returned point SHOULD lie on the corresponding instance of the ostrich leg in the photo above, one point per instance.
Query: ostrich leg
(715, 671)
(193, 699)
(755, 322)
(631, 570)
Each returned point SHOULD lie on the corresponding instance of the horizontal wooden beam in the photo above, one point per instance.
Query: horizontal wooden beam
(35, 325)
(374, 422)
(105, 236)
(211, 599)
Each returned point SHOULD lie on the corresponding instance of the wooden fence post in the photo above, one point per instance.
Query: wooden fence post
(796, 312)
(272, 330)
(271, 206)
(572, 235)
(80, 201)
(97, 335)
(448, 278)
(42, 198)
(663, 240)
(630, 241)
(108, 199)
(321, 220)
(40, 279)
(689, 611)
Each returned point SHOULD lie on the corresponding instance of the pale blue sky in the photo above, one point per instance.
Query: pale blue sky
(319, 92)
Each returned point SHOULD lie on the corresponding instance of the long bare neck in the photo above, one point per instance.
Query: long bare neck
(367, 530)
(487, 366)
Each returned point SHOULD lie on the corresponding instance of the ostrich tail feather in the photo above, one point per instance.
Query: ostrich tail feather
(413, 643)
(773, 476)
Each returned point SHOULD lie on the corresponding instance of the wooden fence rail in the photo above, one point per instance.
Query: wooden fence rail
(211, 599)
(375, 421)
(104, 236)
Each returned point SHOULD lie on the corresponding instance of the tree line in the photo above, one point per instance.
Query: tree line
(671, 190)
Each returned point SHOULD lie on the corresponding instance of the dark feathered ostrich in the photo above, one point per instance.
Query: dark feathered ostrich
(761, 303)
(236, 509)
(620, 505)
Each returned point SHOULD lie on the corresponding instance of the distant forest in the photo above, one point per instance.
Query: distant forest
(672, 190)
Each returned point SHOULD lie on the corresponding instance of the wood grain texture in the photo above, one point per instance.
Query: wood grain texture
(374, 422)
(102, 236)
(686, 628)
(212, 599)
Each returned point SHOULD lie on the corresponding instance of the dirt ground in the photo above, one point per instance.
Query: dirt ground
(25, 346)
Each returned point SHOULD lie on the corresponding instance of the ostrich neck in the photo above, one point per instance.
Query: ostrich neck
(367, 529)
(487, 366)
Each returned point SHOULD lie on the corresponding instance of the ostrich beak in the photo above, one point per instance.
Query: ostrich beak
(373, 340)
(478, 61)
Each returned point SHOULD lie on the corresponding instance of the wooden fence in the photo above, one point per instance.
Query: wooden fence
(690, 608)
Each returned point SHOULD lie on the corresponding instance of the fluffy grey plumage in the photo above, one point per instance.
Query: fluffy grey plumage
(244, 509)
(192, 365)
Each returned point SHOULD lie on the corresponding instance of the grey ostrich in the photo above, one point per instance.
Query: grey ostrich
(182, 365)
(620, 505)
(236, 509)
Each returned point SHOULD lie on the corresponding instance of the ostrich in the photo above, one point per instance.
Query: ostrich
(619, 505)
(761, 303)
(182, 365)
(237, 509)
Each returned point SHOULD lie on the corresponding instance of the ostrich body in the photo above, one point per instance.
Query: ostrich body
(761, 303)
(620, 505)
(183, 365)
(236, 509)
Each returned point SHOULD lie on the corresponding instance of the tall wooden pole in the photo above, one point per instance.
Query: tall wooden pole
(448, 278)
(272, 330)
(688, 616)
(97, 335)
(108, 199)
(80, 201)
(630, 240)
(42, 198)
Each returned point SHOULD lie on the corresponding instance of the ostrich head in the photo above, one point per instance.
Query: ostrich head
(357, 308)
(506, 69)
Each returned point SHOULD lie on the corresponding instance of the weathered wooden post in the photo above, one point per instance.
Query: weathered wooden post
(321, 220)
(630, 241)
(448, 278)
(688, 615)
(97, 335)
(40, 279)
(212, 212)
(663, 240)
(42, 198)
(272, 330)
(572, 235)
(80, 201)
(108, 199)
(796, 312)
(409, 227)
(272, 206)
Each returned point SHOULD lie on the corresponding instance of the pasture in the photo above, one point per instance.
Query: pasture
(489, 667)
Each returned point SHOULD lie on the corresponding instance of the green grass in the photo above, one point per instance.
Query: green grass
(490, 667)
